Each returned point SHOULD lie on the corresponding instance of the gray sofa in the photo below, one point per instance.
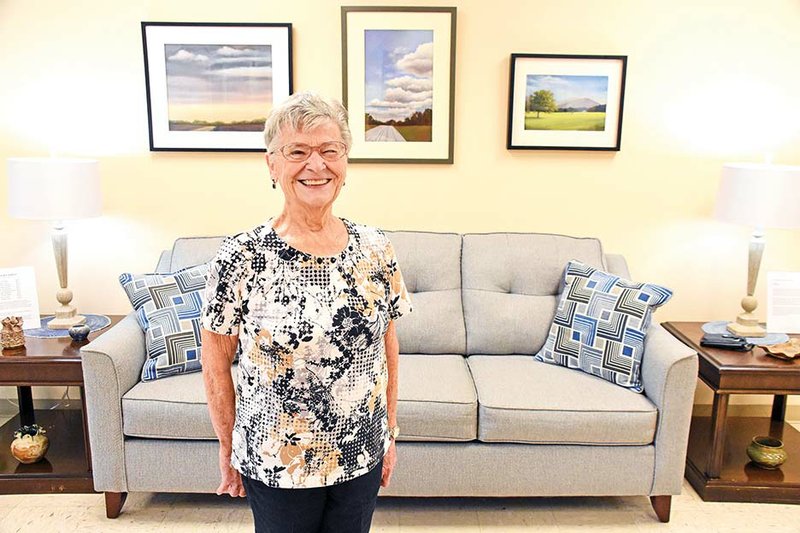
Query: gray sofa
(479, 415)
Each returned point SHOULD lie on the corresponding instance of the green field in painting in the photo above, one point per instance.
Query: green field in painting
(566, 121)
(415, 133)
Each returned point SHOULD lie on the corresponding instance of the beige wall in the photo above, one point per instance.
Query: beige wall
(708, 82)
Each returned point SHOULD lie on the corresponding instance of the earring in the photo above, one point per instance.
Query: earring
(273, 184)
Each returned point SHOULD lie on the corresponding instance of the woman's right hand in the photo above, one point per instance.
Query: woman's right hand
(231, 482)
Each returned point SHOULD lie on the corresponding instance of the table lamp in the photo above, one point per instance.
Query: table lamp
(55, 189)
(759, 196)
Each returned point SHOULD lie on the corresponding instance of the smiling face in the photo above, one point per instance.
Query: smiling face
(312, 184)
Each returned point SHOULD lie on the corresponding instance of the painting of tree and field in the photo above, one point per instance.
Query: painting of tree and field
(398, 85)
(574, 103)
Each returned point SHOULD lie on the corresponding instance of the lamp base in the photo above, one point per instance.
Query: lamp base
(746, 326)
(66, 317)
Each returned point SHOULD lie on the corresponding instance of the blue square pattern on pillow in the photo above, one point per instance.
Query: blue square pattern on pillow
(168, 308)
(600, 324)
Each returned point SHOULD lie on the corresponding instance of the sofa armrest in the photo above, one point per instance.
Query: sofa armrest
(617, 265)
(164, 261)
(112, 364)
(669, 374)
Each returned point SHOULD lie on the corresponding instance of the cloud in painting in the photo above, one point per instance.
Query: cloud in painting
(411, 84)
(236, 52)
(405, 107)
(419, 62)
(241, 60)
(183, 55)
(397, 94)
(399, 70)
(399, 52)
(202, 80)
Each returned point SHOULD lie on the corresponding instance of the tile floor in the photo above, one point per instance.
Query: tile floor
(175, 513)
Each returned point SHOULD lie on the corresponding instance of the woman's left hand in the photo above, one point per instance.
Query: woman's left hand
(389, 460)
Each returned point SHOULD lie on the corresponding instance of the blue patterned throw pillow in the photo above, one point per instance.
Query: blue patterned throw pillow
(168, 310)
(600, 324)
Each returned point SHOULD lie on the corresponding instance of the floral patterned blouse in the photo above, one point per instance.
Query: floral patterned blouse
(311, 393)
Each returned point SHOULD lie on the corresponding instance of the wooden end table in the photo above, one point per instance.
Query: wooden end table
(717, 464)
(67, 466)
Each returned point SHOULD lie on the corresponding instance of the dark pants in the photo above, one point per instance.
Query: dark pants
(343, 508)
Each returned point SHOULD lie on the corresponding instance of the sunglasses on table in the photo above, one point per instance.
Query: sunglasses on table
(329, 151)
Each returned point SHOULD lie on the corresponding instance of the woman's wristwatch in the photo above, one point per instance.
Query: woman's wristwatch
(394, 432)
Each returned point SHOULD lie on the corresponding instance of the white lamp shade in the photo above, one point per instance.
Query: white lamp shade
(759, 195)
(53, 188)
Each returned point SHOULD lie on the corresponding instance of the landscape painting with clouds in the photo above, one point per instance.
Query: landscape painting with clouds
(218, 87)
(574, 103)
(399, 85)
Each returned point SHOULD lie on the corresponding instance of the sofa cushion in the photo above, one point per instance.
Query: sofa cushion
(436, 398)
(173, 408)
(510, 285)
(168, 311)
(190, 251)
(431, 266)
(436, 402)
(600, 324)
(523, 400)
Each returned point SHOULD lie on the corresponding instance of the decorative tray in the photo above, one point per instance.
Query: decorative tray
(785, 350)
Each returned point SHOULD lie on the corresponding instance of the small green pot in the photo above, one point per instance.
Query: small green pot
(767, 452)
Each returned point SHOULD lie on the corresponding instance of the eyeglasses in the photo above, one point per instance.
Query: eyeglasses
(329, 151)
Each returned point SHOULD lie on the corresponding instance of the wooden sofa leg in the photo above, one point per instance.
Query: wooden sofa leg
(114, 503)
(661, 505)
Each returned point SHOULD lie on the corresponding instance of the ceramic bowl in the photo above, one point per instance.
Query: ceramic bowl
(767, 452)
(80, 332)
(28, 448)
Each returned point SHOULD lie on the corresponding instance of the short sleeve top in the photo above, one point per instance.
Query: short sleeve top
(311, 405)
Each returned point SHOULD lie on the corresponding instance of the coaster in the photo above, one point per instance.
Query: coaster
(721, 326)
(95, 323)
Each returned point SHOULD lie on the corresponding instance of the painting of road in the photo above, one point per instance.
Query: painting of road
(574, 103)
(399, 85)
(218, 87)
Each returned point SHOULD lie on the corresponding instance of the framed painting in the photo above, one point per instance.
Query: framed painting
(398, 76)
(210, 86)
(565, 102)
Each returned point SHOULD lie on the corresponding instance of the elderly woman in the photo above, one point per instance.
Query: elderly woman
(307, 300)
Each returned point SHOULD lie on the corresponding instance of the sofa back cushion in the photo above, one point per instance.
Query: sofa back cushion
(190, 251)
(510, 287)
(431, 267)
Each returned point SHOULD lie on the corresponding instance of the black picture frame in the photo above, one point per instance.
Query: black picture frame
(426, 139)
(190, 107)
(566, 127)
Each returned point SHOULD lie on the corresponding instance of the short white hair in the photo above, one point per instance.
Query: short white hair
(304, 111)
